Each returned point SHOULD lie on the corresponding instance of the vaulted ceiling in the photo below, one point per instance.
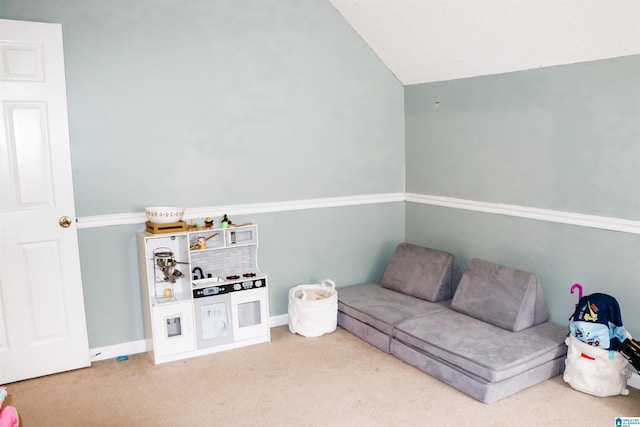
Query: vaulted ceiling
(432, 40)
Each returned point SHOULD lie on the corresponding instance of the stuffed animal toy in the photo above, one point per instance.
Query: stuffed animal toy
(8, 414)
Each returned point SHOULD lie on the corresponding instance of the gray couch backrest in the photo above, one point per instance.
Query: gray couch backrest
(503, 296)
(424, 273)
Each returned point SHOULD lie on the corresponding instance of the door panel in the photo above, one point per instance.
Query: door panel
(29, 151)
(44, 291)
(23, 62)
(42, 320)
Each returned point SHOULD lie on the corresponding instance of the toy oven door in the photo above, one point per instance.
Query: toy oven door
(213, 320)
(250, 317)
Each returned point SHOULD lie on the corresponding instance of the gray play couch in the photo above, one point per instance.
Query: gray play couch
(484, 332)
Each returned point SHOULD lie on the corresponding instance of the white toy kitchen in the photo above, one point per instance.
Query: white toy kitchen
(202, 291)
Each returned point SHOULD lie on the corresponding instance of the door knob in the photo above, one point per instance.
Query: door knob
(65, 222)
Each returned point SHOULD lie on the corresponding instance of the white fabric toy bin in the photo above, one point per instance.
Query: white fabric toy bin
(313, 309)
(595, 371)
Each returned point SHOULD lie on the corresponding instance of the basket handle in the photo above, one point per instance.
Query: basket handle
(329, 283)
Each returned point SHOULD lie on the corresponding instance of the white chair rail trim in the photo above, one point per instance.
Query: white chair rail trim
(582, 220)
(572, 218)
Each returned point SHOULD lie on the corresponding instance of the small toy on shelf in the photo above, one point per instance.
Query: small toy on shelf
(208, 222)
(226, 222)
(8, 414)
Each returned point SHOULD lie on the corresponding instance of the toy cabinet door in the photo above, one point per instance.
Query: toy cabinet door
(173, 329)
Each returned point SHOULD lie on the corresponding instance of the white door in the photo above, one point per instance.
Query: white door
(42, 320)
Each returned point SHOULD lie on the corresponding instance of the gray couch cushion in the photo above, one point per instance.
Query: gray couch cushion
(482, 349)
(424, 273)
(382, 308)
(503, 296)
(473, 385)
(365, 332)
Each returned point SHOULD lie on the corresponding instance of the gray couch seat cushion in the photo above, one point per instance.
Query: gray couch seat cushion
(365, 332)
(421, 272)
(473, 385)
(485, 350)
(382, 308)
(503, 296)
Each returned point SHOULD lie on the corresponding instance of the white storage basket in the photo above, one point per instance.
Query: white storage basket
(594, 370)
(313, 309)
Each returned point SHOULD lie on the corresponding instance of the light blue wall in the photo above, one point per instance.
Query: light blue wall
(214, 103)
(203, 103)
(209, 103)
(346, 244)
(564, 138)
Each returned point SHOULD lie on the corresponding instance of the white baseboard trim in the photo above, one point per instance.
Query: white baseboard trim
(280, 320)
(142, 346)
(124, 349)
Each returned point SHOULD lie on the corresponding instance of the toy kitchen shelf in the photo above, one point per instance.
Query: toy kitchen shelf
(202, 291)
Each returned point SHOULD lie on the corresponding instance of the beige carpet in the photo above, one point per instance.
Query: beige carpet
(333, 380)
